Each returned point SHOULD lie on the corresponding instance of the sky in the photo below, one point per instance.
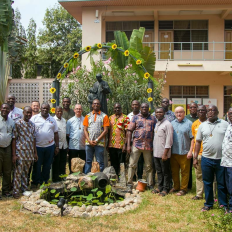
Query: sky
(33, 9)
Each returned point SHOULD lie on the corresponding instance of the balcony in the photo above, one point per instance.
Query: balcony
(192, 51)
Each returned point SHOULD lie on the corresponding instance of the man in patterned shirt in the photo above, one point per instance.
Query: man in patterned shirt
(226, 161)
(23, 150)
(143, 126)
(96, 125)
(117, 137)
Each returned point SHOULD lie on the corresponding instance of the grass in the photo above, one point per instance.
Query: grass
(155, 213)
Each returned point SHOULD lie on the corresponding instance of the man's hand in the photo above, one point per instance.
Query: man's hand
(57, 150)
(94, 143)
(164, 157)
(124, 148)
(195, 163)
(14, 158)
(189, 155)
(35, 157)
(128, 149)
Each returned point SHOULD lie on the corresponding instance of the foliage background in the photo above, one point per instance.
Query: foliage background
(124, 84)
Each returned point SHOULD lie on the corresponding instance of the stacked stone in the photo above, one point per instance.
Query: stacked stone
(34, 204)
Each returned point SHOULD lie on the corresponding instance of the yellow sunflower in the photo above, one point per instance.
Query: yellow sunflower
(65, 65)
(126, 53)
(138, 62)
(99, 45)
(114, 46)
(58, 76)
(87, 49)
(52, 90)
(53, 101)
(53, 110)
(149, 109)
(146, 75)
(150, 99)
(149, 90)
(76, 55)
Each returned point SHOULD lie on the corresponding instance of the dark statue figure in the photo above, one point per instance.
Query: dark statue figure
(99, 91)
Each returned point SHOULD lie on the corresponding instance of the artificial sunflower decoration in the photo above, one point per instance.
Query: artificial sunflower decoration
(149, 90)
(65, 65)
(138, 62)
(76, 55)
(126, 53)
(58, 75)
(52, 90)
(150, 99)
(99, 45)
(146, 75)
(114, 46)
(53, 110)
(53, 101)
(87, 49)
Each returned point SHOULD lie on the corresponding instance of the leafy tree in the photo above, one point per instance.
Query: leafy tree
(30, 56)
(19, 34)
(58, 41)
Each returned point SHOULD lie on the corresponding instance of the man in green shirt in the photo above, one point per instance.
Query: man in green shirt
(192, 117)
(67, 112)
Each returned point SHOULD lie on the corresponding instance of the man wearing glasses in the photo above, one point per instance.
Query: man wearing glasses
(181, 151)
(168, 114)
(76, 136)
(212, 133)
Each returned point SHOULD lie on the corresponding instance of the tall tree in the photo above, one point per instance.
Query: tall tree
(59, 39)
(18, 33)
(30, 56)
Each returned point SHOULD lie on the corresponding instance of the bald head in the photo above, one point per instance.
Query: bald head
(179, 113)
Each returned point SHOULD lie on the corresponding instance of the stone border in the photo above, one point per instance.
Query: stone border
(34, 204)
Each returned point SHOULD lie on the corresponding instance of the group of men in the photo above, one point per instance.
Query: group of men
(34, 141)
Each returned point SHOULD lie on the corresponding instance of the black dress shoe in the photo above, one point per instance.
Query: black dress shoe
(7, 195)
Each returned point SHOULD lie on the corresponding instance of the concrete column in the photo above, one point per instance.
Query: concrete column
(91, 32)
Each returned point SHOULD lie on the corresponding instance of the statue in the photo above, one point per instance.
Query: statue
(99, 91)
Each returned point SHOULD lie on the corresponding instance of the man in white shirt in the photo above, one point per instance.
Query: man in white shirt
(15, 112)
(47, 142)
(6, 130)
(76, 136)
(59, 162)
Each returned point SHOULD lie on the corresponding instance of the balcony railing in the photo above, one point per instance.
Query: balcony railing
(218, 51)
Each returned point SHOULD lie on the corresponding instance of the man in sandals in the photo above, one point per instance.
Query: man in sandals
(163, 139)
(23, 150)
(142, 125)
(212, 133)
(181, 151)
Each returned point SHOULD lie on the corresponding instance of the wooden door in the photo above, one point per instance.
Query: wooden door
(148, 37)
(228, 46)
(166, 49)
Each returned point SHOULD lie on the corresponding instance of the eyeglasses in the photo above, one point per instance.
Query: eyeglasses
(211, 110)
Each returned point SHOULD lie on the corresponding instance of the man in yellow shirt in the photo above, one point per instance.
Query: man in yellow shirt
(201, 113)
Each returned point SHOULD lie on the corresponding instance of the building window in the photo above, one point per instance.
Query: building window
(187, 31)
(228, 24)
(127, 27)
(227, 98)
(189, 91)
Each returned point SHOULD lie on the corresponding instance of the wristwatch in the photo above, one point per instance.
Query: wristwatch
(96, 140)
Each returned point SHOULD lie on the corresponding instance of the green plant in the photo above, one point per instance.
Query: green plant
(219, 221)
(92, 197)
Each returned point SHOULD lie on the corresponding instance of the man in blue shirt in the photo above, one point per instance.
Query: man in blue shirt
(181, 151)
(76, 136)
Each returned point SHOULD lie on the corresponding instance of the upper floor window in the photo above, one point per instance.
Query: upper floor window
(127, 27)
(187, 31)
